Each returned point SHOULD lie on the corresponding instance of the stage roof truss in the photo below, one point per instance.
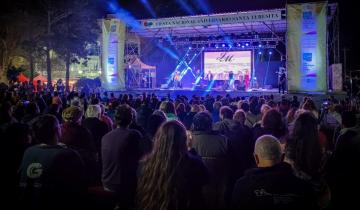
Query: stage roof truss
(278, 26)
(274, 33)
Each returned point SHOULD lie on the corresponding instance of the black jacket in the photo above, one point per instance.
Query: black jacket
(97, 129)
(272, 188)
(343, 171)
(213, 149)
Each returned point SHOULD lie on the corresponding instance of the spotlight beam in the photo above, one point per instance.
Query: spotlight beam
(186, 7)
(149, 8)
(203, 5)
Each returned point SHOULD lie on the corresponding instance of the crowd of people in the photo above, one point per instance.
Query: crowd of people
(104, 151)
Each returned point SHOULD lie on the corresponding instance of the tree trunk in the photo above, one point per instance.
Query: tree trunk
(48, 68)
(31, 63)
(67, 73)
(48, 59)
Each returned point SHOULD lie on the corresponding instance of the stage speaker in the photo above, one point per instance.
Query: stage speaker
(164, 86)
(268, 87)
(199, 87)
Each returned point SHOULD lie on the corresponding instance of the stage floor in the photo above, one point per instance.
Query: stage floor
(188, 92)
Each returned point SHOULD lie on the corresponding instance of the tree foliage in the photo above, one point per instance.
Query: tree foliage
(76, 33)
(34, 28)
(13, 72)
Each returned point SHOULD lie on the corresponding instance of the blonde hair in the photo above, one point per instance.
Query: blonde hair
(93, 111)
(264, 108)
(72, 114)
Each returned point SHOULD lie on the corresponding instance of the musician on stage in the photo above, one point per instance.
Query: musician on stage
(231, 80)
(176, 79)
(209, 76)
(247, 79)
(241, 83)
(282, 80)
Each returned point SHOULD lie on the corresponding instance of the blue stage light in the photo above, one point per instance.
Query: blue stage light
(270, 53)
(223, 45)
(260, 45)
(149, 8)
(243, 46)
(186, 7)
(203, 5)
(190, 48)
(247, 44)
(260, 53)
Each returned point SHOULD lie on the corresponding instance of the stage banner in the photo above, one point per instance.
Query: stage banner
(306, 47)
(217, 19)
(337, 77)
(113, 50)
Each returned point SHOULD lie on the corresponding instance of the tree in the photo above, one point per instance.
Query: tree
(21, 29)
(32, 44)
(10, 37)
(12, 73)
(76, 33)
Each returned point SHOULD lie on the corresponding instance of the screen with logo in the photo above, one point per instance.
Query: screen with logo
(227, 65)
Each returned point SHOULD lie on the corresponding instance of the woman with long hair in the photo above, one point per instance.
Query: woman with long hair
(303, 148)
(303, 152)
(171, 178)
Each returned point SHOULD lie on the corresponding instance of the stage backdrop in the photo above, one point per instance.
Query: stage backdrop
(306, 47)
(113, 46)
(221, 63)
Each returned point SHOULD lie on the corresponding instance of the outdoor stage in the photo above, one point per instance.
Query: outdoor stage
(264, 48)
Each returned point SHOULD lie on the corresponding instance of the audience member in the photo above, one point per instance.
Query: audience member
(213, 149)
(304, 153)
(171, 178)
(50, 171)
(272, 184)
(121, 152)
(77, 137)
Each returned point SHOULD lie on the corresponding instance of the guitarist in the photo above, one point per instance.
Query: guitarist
(176, 79)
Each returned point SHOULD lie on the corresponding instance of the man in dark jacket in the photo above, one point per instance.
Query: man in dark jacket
(272, 185)
(240, 146)
(343, 167)
(96, 127)
(213, 149)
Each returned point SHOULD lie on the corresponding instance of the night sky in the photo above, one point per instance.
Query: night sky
(169, 8)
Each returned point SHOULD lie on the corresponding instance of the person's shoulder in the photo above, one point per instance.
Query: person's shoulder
(196, 165)
(115, 132)
(51, 150)
(134, 133)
